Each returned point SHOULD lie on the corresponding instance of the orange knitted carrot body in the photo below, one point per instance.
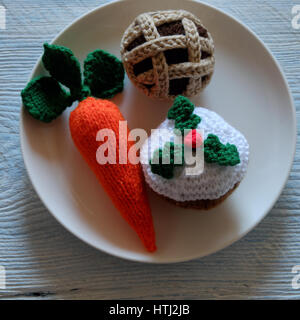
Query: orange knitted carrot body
(123, 182)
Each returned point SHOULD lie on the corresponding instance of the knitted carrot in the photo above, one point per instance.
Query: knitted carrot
(45, 99)
(123, 182)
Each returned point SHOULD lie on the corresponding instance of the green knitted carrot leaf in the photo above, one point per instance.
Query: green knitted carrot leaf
(64, 67)
(45, 99)
(216, 152)
(103, 74)
(165, 160)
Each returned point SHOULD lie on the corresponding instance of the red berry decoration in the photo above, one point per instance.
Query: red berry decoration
(193, 139)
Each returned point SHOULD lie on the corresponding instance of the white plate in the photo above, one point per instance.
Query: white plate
(248, 90)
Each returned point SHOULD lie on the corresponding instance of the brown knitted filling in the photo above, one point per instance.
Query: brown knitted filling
(202, 31)
(148, 86)
(136, 42)
(171, 28)
(204, 78)
(176, 86)
(173, 56)
(142, 66)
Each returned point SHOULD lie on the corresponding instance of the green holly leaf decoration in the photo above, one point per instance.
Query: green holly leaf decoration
(45, 99)
(182, 112)
(103, 74)
(216, 152)
(64, 67)
(165, 160)
(190, 123)
(181, 109)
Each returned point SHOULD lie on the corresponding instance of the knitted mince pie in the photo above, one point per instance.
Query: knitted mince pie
(225, 157)
(168, 53)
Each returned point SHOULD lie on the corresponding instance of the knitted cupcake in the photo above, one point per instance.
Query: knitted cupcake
(167, 53)
(223, 154)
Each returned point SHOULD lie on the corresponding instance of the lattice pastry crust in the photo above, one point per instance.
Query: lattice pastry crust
(166, 53)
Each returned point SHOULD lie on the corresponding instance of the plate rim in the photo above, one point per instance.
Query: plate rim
(224, 244)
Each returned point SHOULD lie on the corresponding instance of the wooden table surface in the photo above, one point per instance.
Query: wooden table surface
(44, 261)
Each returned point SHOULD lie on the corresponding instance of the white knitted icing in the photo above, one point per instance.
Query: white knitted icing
(216, 180)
